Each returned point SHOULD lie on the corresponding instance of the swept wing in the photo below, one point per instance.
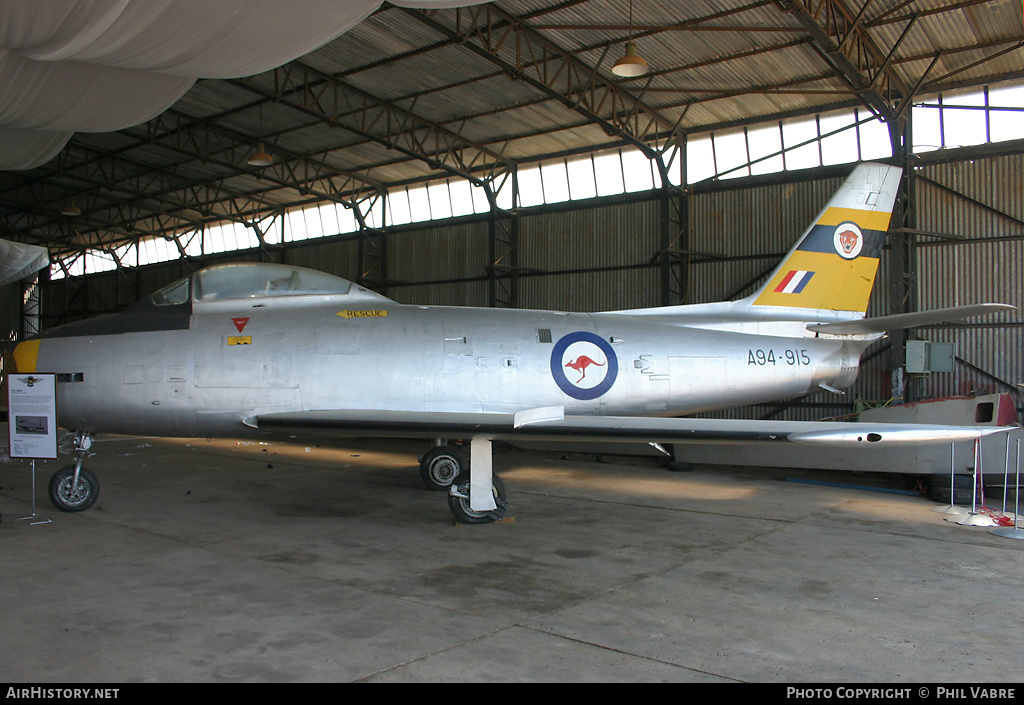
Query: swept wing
(551, 424)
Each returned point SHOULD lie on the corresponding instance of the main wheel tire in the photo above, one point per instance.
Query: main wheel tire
(459, 504)
(78, 499)
(440, 466)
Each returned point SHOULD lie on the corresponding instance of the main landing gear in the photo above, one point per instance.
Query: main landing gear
(74, 488)
(476, 497)
(473, 498)
(441, 465)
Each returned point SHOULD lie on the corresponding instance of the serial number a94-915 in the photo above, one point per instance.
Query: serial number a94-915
(784, 357)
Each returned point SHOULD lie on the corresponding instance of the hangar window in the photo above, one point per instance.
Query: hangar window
(608, 168)
(157, 249)
(765, 145)
(700, 159)
(314, 224)
(222, 238)
(1005, 108)
(294, 226)
(461, 194)
(440, 200)
(582, 183)
(799, 137)
(555, 178)
(731, 154)
(797, 143)
(419, 204)
(480, 202)
(399, 210)
(839, 138)
(97, 261)
(531, 188)
(638, 172)
(373, 211)
(71, 266)
(964, 118)
(347, 222)
(329, 219)
(950, 119)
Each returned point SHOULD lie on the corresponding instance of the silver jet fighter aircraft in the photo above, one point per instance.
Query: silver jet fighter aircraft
(255, 349)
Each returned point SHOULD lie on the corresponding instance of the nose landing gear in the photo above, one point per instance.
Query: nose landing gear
(74, 488)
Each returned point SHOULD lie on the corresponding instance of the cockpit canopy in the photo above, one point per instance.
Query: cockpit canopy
(171, 308)
(249, 281)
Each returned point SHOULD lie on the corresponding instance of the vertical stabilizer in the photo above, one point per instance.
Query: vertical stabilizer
(833, 266)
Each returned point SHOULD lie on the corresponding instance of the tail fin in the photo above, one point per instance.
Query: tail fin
(833, 266)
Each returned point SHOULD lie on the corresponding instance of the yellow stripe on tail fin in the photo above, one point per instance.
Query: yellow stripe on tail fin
(833, 266)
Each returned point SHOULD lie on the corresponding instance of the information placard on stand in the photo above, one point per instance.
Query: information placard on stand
(32, 423)
(32, 415)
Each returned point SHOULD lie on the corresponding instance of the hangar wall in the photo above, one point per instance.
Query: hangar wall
(601, 255)
(977, 204)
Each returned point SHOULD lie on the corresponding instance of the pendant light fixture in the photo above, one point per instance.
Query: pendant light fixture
(631, 64)
(260, 157)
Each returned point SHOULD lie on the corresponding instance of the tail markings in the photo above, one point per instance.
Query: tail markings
(834, 265)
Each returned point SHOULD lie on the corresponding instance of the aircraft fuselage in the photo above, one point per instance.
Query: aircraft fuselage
(237, 359)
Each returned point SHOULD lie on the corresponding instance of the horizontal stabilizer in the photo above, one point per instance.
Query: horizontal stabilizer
(882, 324)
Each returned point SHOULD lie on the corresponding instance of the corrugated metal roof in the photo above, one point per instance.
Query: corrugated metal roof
(409, 95)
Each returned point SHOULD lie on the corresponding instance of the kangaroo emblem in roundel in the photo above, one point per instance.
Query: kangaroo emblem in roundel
(848, 240)
(584, 365)
(581, 364)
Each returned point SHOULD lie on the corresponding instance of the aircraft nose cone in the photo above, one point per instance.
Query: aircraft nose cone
(25, 355)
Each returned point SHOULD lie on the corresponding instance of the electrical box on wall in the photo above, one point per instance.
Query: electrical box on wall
(924, 356)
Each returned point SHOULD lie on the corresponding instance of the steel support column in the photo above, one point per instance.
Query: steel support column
(503, 249)
(902, 276)
(673, 253)
(502, 273)
(373, 250)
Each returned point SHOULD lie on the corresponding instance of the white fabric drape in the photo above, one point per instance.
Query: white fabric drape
(103, 65)
(29, 147)
(18, 260)
(77, 96)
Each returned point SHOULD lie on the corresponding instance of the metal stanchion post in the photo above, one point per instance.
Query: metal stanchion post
(1013, 532)
(952, 508)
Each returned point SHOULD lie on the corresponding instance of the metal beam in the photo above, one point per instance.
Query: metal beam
(525, 55)
(339, 104)
(843, 42)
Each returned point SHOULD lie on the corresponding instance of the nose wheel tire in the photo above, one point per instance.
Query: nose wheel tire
(69, 496)
(440, 466)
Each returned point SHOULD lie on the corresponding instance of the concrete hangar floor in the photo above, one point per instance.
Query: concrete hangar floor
(214, 561)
